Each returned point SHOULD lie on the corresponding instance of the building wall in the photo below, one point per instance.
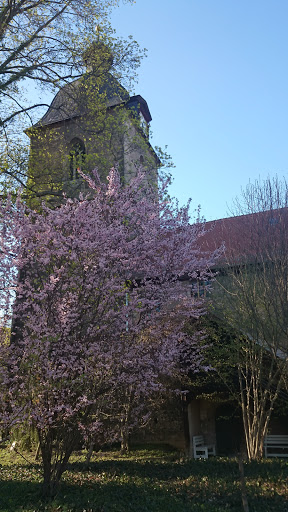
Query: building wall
(111, 139)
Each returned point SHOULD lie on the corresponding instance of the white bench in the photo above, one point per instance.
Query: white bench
(202, 450)
(276, 446)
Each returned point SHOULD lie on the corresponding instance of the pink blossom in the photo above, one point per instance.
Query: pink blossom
(100, 311)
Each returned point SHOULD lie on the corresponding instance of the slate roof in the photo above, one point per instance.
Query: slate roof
(71, 100)
(137, 103)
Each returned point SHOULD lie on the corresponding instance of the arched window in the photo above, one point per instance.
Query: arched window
(76, 157)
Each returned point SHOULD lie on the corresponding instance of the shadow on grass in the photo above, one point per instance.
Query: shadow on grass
(111, 497)
(212, 468)
(142, 486)
(14, 494)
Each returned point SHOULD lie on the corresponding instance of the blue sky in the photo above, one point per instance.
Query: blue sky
(216, 83)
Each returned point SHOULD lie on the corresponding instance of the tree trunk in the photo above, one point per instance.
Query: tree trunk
(125, 441)
(54, 463)
(243, 485)
(47, 473)
(37, 453)
(257, 404)
(89, 452)
(187, 440)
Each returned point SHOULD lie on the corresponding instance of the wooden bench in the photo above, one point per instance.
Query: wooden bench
(276, 446)
(202, 450)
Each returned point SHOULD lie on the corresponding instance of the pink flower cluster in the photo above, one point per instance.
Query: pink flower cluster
(100, 307)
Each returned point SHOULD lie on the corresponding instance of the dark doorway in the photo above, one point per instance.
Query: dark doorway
(229, 430)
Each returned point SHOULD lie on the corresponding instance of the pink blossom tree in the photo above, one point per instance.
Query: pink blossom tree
(100, 310)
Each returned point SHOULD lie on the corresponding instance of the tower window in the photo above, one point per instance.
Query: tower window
(76, 158)
(144, 125)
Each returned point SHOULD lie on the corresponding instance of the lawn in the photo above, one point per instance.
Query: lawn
(145, 481)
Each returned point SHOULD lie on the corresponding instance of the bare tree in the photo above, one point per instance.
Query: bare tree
(253, 296)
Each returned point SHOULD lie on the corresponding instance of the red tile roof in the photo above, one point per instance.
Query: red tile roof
(246, 234)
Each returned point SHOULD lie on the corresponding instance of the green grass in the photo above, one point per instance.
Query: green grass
(146, 480)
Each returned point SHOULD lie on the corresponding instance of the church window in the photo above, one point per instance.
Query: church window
(76, 158)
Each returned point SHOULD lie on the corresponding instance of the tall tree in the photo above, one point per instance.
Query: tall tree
(101, 307)
(42, 44)
(253, 297)
(42, 41)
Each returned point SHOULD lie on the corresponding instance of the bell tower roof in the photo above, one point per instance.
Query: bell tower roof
(71, 100)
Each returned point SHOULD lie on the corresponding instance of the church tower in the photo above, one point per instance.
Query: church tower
(91, 123)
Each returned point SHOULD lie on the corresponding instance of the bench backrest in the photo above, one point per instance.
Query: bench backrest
(198, 440)
(271, 439)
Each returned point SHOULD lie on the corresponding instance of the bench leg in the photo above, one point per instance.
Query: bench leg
(201, 452)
